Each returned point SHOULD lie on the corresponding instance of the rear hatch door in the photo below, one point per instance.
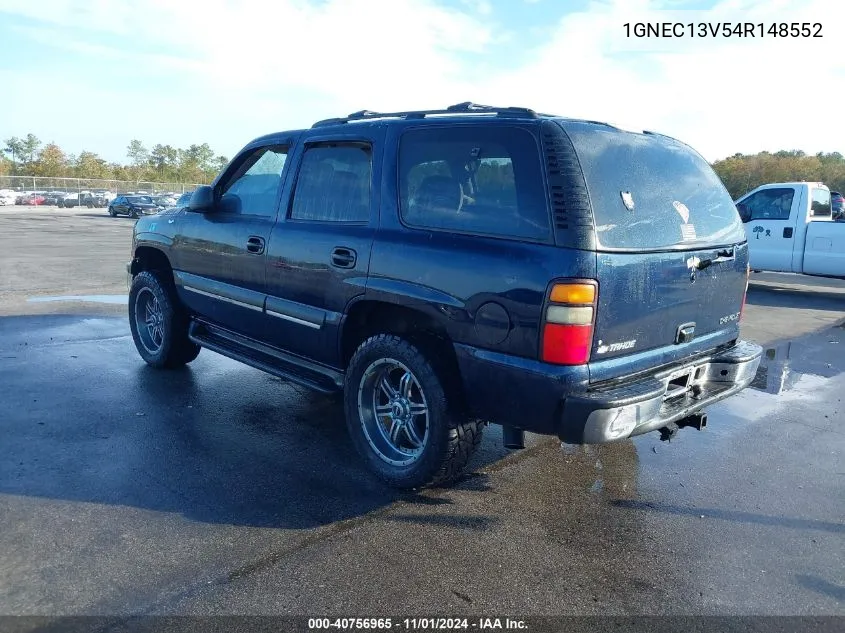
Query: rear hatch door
(671, 250)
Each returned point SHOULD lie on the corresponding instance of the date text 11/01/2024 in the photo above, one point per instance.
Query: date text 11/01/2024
(722, 29)
(417, 624)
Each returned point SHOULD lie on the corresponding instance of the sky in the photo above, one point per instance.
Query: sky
(94, 74)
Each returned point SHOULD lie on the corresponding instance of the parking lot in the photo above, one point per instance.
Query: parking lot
(220, 489)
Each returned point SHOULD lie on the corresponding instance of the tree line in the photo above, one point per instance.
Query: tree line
(28, 156)
(741, 173)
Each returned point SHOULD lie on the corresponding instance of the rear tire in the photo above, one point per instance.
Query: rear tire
(433, 440)
(159, 323)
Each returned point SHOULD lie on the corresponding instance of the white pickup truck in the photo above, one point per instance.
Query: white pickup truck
(790, 229)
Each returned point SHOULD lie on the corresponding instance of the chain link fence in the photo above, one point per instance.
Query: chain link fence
(47, 184)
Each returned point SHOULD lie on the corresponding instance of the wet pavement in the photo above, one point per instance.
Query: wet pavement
(51, 252)
(220, 489)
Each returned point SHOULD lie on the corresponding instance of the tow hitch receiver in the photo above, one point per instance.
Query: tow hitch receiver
(696, 421)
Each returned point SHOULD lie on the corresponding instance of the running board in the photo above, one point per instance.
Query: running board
(266, 358)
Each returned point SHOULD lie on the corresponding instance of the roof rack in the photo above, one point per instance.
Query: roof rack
(467, 107)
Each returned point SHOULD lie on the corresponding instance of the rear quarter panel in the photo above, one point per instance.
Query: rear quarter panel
(486, 292)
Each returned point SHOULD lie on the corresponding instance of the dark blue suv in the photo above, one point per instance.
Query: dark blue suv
(445, 269)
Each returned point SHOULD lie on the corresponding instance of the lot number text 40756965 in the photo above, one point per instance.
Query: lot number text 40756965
(417, 624)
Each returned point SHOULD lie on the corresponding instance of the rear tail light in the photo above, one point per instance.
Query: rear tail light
(568, 323)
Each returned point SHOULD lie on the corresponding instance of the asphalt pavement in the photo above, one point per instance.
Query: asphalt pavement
(218, 489)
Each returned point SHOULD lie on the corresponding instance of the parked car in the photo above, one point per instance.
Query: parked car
(100, 198)
(33, 199)
(837, 206)
(790, 229)
(52, 198)
(133, 206)
(443, 269)
(183, 200)
(8, 197)
(164, 202)
(78, 199)
(68, 200)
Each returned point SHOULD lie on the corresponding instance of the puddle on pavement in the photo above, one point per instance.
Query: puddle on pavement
(775, 374)
(112, 299)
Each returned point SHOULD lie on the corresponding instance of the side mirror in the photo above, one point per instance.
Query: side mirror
(202, 200)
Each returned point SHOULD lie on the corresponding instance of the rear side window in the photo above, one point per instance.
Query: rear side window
(821, 203)
(649, 192)
(334, 184)
(768, 204)
(473, 179)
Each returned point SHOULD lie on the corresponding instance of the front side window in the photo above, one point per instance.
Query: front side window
(821, 203)
(768, 204)
(333, 184)
(254, 186)
(473, 179)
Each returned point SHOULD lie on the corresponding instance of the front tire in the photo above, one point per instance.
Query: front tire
(159, 323)
(400, 418)
(112, 212)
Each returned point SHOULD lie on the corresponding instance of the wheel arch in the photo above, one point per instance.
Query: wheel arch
(150, 258)
(369, 317)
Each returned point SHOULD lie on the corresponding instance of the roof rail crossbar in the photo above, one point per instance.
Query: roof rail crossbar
(466, 107)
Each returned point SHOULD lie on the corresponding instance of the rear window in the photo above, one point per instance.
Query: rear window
(821, 206)
(484, 180)
(650, 192)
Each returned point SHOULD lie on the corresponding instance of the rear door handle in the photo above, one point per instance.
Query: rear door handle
(726, 255)
(343, 257)
(255, 244)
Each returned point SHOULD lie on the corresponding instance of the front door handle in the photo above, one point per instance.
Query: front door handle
(255, 244)
(343, 257)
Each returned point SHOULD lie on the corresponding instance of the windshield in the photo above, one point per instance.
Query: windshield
(651, 192)
(139, 199)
